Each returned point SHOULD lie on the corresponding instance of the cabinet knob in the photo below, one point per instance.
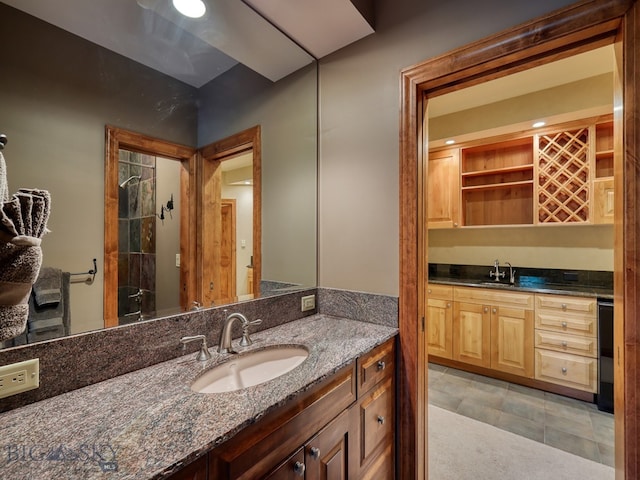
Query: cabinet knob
(486, 309)
(564, 324)
(494, 310)
(455, 224)
(564, 306)
(429, 290)
(448, 305)
(381, 419)
(299, 469)
(564, 344)
(564, 370)
(381, 365)
(315, 453)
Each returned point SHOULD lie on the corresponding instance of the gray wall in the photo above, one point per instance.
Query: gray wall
(57, 93)
(359, 125)
(286, 111)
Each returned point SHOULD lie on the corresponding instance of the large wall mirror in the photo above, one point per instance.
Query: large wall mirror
(71, 69)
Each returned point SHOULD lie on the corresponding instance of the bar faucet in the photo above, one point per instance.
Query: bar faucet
(496, 272)
(204, 354)
(512, 274)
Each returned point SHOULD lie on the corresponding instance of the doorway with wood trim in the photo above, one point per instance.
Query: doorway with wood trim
(574, 29)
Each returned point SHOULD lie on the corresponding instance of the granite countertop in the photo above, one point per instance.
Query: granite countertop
(533, 287)
(147, 423)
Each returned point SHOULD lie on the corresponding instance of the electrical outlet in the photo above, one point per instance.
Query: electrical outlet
(308, 303)
(19, 377)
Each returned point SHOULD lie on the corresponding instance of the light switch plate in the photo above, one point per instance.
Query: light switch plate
(19, 377)
(308, 303)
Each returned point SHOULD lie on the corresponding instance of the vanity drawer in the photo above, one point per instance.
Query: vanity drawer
(566, 323)
(566, 304)
(376, 366)
(376, 420)
(565, 369)
(441, 292)
(561, 342)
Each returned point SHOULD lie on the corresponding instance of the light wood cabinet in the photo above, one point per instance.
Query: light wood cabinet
(443, 184)
(561, 175)
(566, 341)
(494, 329)
(440, 320)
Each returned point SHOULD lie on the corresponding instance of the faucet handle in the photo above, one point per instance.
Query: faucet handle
(245, 341)
(204, 354)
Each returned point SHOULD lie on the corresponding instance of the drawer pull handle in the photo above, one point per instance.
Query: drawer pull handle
(380, 419)
(564, 344)
(381, 365)
(564, 324)
(299, 469)
(564, 306)
(564, 370)
(315, 453)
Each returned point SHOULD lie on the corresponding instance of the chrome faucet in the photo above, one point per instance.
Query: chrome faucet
(204, 354)
(496, 272)
(224, 345)
(512, 274)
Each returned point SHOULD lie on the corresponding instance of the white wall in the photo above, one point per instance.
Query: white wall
(359, 126)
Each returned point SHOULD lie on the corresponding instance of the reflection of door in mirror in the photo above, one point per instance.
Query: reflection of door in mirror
(148, 229)
(229, 234)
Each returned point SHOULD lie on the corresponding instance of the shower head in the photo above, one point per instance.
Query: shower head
(130, 179)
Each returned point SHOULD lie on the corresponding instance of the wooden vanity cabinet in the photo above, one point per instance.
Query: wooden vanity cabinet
(342, 428)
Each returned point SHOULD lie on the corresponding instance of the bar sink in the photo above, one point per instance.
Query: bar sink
(249, 369)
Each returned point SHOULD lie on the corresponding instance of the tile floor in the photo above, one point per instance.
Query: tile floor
(568, 424)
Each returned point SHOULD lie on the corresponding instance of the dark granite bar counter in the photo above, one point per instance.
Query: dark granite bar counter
(148, 423)
(584, 283)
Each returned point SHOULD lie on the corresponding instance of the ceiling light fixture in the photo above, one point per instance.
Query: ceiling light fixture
(190, 8)
(450, 142)
(539, 124)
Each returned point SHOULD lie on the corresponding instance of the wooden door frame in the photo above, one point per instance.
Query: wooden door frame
(209, 179)
(564, 32)
(116, 139)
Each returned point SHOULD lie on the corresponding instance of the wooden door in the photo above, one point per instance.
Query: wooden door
(440, 328)
(327, 454)
(512, 340)
(471, 333)
(227, 280)
(444, 189)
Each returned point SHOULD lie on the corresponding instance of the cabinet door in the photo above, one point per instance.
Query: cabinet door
(512, 340)
(292, 469)
(439, 328)
(326, 454)
(443, 189)
(603, 194)
(471, 334)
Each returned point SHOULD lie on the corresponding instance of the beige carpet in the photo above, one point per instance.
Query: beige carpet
(461, 448)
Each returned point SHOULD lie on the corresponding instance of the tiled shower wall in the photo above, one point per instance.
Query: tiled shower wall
(136, 236)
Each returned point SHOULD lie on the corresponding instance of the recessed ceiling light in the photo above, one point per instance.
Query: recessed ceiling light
(539, 124)
(450, 142)
(190, 8)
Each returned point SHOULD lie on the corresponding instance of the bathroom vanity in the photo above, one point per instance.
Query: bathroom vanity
(334, 411)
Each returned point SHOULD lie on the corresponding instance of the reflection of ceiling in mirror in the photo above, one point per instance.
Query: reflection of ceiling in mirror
(571, 69)
(195, 51)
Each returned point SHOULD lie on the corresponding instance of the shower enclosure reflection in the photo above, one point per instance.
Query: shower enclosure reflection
(148, 236)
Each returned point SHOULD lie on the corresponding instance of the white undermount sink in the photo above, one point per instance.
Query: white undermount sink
(249, 369)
